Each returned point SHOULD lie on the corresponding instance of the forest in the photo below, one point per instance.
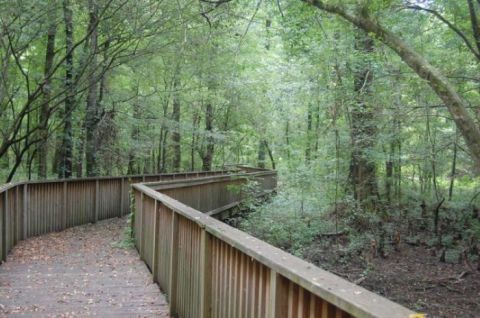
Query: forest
(368, 109)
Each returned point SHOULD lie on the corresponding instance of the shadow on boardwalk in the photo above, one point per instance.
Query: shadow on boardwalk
(78, 272)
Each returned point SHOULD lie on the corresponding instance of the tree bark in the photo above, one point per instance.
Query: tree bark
(261, 154)
(435, 79)
(176, 137)
(65, 160)
(363, 132)
(42, 149)
(308, 149)
(207, 157)
(92, 112)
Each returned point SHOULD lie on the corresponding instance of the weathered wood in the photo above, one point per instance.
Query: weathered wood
(155, 243)
(139, 219)
(223, 272)
(97, 201)
(292, 286)
(78, 273)
(25, 211)
(122, 195)
(172, 286)
(205, 275)
(64, 206)
(4, 226)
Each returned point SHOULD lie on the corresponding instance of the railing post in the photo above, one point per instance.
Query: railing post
(25, 211)
(172, 292)
(16, 215)
(205, 274)
(139, 219)
(64, 206)
(122, 204)
(277, 298)
(4, 225)
(96, 200)
(155, 242)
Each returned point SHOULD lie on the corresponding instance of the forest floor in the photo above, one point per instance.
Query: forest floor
(82, 271)
(411, 276)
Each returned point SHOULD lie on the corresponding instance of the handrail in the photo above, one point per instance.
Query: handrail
(207, 268)
(30, 208)
(193, 257)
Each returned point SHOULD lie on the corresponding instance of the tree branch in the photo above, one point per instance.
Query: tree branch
(452, 27)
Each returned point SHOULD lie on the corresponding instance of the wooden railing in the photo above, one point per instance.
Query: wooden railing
(38, 207)
(209, 269)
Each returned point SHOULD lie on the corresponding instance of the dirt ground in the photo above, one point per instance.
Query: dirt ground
(411, 276)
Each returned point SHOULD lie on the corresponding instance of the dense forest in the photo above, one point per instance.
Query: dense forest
(369, 110)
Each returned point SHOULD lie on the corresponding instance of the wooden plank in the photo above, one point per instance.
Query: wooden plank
(25, 211)
(46, 283)
(156, 216)
(4, 227)
(140, 222)
(355, 300)
(122, 194)
(64, 206)
(97, 202)
(172, 286)
(205, 275)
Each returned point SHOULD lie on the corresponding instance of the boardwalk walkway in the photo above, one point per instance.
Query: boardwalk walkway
(78, 272)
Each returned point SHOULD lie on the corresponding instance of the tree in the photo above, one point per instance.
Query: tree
(47, 91)
(363, 130)
(456, 105)
(66, 155)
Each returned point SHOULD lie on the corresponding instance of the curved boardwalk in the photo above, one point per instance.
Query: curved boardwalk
(78, 272)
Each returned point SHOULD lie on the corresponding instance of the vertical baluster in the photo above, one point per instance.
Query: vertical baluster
(205, 274)
(97, 200)
(4, 226)
(172, 293)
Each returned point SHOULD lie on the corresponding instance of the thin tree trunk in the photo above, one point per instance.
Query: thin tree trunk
(208, 155)
(261, 154)
(175, 136)
(389, 173)
(92, 112)
(270, 155)
(193, 146)
(308, 148)
(66, 152)
(42, 149)
(454, 168)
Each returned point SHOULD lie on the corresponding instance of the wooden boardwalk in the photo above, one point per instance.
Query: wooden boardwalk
(79, 272)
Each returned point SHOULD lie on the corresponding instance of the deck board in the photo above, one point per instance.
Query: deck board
(79, 272)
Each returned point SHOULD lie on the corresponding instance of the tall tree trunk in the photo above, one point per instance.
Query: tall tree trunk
(308, 148)
(389, 172)
(287, 139)
(133, 166)
(207, 157)
(42, 149)
(317, 130)
(363, 131)
(454, 168)
(261, 154)
(176, 138)
(456, 105)
(65, 160)
(270, 155)
(92, 112)
(193, 146)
